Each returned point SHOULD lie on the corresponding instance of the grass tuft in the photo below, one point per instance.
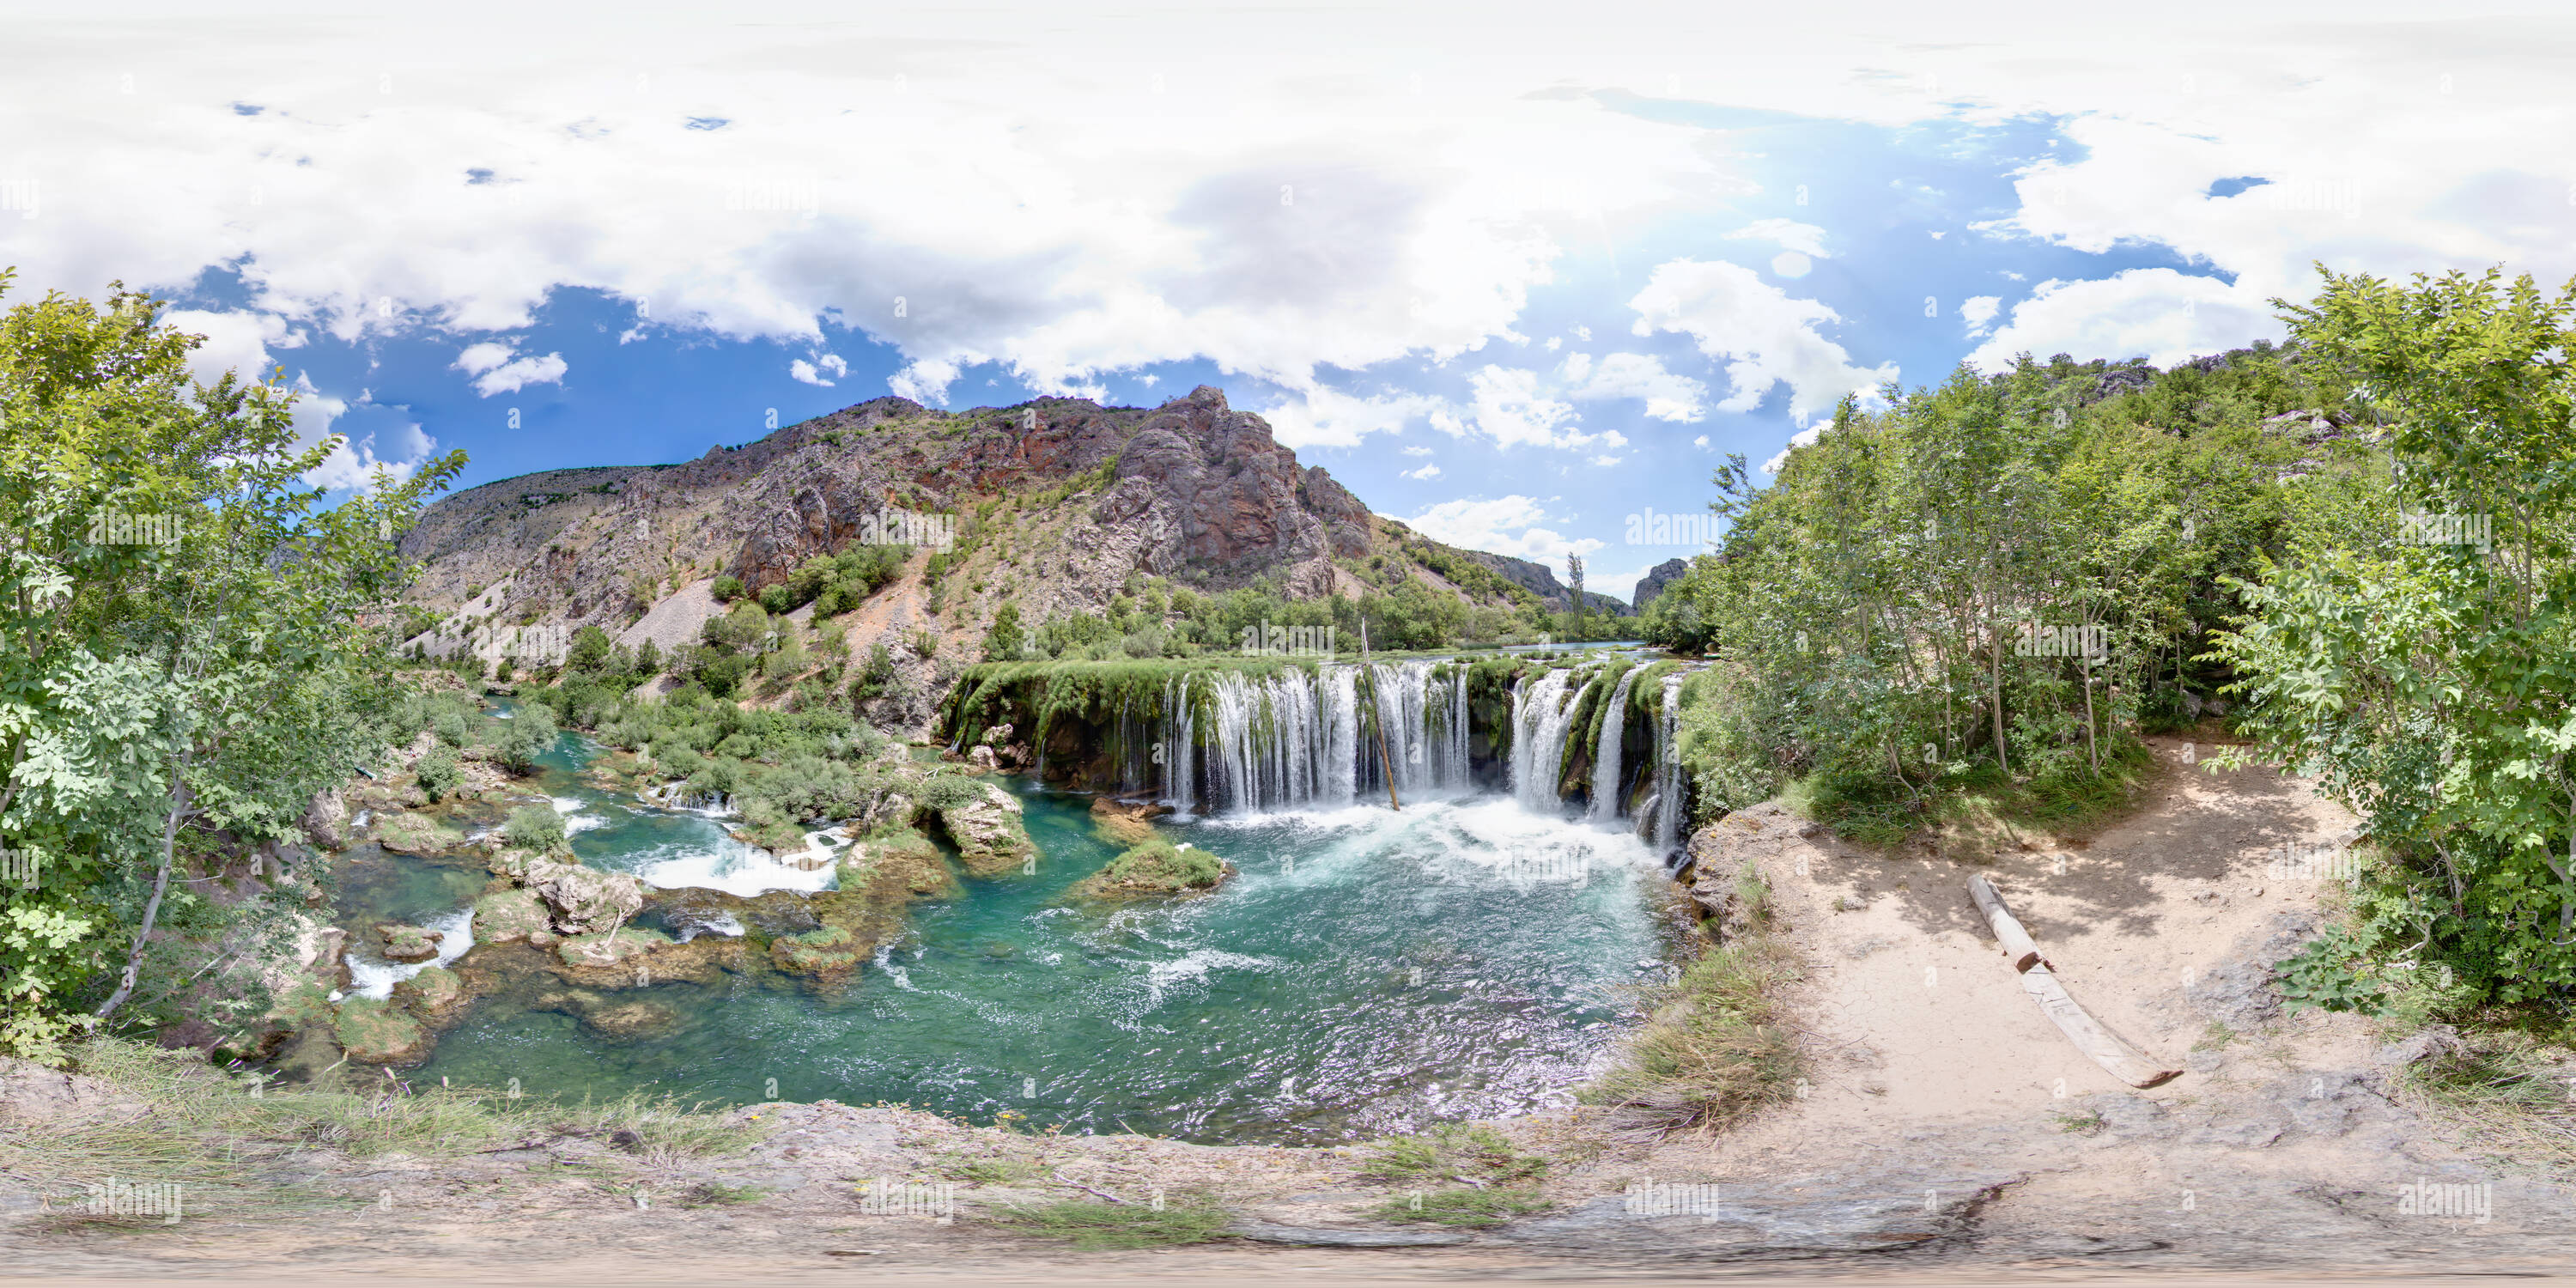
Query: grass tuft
(1719, 1048)
(1192, 1218)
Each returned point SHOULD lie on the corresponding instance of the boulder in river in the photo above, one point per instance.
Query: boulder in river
(986, 826)
(1157, 867)
(435, 996)
(407, 833)
(407, 943)
(583, 898)
(378, 1033)
(635, 957)
(512, 914)
(829, 956)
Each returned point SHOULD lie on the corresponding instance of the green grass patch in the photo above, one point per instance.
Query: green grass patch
(1472, 1209)
(1720, 1048)
(1093, 1225)
(1451, 1151)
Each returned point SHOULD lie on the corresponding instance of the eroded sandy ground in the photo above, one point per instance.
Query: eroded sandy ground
(1949, 1132)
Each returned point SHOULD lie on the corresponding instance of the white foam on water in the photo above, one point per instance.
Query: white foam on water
(1162, 977)
(733, 867)
(372, 977)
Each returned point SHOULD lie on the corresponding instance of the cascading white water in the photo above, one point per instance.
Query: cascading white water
(1295, 737)
(1540, 714)
(1668, 769)
(1606, 753)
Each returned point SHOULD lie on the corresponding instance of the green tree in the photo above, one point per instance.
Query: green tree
(178, 672)
(1003, 641)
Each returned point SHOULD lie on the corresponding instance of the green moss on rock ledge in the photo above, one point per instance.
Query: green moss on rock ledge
(1157, 867)
(377, 1033)
(408, 833)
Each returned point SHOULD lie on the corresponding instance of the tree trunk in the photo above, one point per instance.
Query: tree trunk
(179, 801)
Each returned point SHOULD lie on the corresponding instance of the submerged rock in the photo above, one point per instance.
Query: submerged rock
(1126, 822)
(829, 956)
(625, 1021)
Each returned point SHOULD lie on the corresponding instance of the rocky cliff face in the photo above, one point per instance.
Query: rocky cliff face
(1540, 580)
(1656, 578)
(1060, 501)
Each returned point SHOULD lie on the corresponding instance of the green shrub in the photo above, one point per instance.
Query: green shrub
(438, 772)
(726, 589)
(538, 828)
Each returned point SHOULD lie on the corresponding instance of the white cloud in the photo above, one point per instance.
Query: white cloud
(1787, 234)
(1667, 395)
(2164, 315)
(1700, 441)
(1426, 472)
(1797, 440)
(1766, 337)
(1417, 451)
(1510, 525)
(1327, 417)
(1979, 312)
(497, 369)
(815, 372)
(1607, 460)
(1509, 407)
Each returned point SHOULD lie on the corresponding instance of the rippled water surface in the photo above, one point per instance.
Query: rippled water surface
(1368, 971)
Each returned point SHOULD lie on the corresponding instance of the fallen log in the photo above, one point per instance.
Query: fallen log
(2099, 1044)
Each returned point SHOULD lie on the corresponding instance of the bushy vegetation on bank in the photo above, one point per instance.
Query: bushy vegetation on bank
(2362, 539)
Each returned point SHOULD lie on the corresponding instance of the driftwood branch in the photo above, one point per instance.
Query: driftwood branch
(2102, 1046)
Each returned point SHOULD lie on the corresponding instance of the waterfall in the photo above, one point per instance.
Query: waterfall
(1228, 741)
(1539, 718)
(1661, 819)
(1605, 756)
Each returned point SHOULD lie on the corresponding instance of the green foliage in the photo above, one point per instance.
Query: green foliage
(2328, 975)
(538, 828)
(176, 661)
(1158, 864)
(726, 589)
(438, 772)
(2432, 684)
(1003, 641)
(1452, 1150)
(530, 732)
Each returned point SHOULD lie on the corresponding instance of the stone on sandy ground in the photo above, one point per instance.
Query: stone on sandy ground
(583, 898)
(407, 943)
(1720, 853)
(503, 916)
(377, 1033)
(2244, 993)
(990, 838)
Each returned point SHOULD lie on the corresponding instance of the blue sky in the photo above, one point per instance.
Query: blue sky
(1511, 284)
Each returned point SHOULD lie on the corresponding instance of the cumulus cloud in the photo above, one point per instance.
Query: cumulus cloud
(1979, 311)
(823, 370)
(1426, 473)
(1327, 417)
(497, 368)
(1667, 395)
(1787, 234)
(1509, 525)
(1802, 438)
(1508, 406)
(1765, 337)
(1417, 451)
(2165, 315)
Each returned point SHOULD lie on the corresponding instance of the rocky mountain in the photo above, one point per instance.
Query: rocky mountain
(1053, 505)
(1540, 580)
(1656, 578)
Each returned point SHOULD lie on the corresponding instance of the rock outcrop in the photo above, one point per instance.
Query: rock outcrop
(1656, 578)
(987, 831)
(582, 899)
